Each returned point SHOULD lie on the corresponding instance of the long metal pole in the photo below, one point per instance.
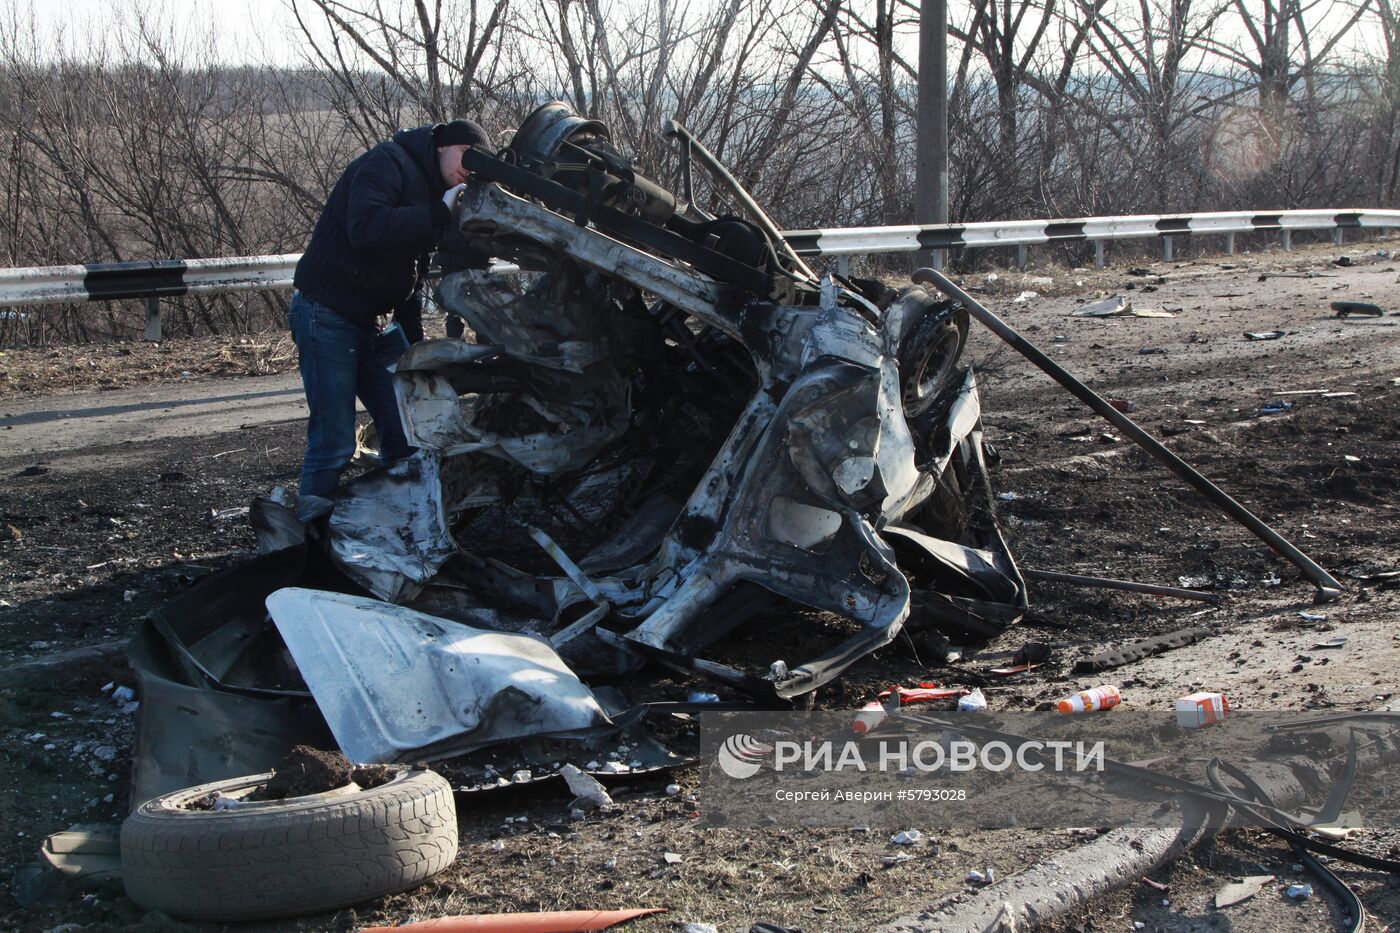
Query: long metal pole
(931, 125)
(1327, 586)
(1051, 576)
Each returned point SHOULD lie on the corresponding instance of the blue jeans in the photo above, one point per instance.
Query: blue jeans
(340, 360)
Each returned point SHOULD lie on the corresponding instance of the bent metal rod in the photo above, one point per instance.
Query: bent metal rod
(1327, 586)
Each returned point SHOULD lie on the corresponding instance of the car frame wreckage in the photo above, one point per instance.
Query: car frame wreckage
(667, 426)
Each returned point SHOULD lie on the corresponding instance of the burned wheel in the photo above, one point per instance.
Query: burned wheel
(929, 355)
(284, 857)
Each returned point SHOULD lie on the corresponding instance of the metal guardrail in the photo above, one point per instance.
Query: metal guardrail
(847, 241)
(164, 278)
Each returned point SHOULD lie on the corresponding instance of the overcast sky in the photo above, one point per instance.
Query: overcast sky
(264, 31)
(248, 31)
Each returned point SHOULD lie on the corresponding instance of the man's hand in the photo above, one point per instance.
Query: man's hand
(452, 195)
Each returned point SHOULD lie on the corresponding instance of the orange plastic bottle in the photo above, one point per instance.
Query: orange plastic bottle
(1105, 697)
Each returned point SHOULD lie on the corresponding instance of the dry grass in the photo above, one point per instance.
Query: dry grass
(46, 370)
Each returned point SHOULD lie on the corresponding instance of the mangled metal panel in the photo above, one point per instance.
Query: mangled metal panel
(389, 530)
(394, 683)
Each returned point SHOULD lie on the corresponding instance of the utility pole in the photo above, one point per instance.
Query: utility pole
(931, 125)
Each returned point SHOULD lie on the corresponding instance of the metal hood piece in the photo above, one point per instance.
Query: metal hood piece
(395, 684)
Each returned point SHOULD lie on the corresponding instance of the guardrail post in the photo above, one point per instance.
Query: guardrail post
(1287, 240)
(1021, 258)
(843, 265)
(152, 320)
(1166, 249)
(1098, 254)
(1337, 236)
(1229, 244)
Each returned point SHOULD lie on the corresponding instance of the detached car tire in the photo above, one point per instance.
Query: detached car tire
(284, 857)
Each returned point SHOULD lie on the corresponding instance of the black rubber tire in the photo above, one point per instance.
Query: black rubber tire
(294, 856)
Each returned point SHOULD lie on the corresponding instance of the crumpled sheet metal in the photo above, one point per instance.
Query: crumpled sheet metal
(388, 531)
(397, 684)
(218, 697)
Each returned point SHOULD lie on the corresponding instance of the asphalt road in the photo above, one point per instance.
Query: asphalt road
(42, 428)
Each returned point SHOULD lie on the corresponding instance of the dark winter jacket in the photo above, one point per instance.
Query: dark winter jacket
(370, 249)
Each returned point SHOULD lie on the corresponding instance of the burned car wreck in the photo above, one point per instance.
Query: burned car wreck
(666, 427)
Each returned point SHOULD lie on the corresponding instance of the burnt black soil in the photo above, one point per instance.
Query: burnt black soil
(306, 771)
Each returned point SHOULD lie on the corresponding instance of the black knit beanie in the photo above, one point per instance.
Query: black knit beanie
(460, 133)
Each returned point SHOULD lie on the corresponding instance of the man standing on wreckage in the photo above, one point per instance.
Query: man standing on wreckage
(365, 262)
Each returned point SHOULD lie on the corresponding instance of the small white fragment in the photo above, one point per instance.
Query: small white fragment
(907, 837)
(591, 795)
(672, 790)
(123, 695)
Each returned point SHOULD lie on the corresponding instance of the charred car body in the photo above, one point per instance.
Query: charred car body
(666, 427)
(722, 427)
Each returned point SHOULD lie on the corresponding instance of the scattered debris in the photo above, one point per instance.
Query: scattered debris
(1264, 335)
(1348, 308)
(1299, 892)
(588, 793)
(1123, 405)
(907, 837)
(1242, 890)
(1117, 657)
(1201, 709)
(1097, 698)
(973, 702)
(1276, 408)
(889, 861)
(1108, 307)
(1013, 669)
(1024, 297)
(87, 853)
(1312, 616)
(549, 921)
(1337, 642)
(1033, 652)
(875, 712)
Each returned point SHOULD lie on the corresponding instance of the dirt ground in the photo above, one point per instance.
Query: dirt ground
(89, 545)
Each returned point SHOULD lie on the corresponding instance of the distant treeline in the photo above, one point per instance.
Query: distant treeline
(138, 149)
